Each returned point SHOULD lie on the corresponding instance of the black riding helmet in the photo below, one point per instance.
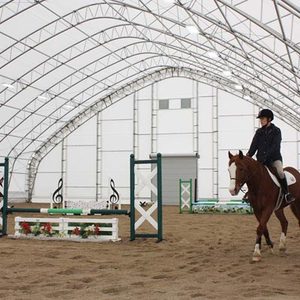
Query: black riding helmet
(266, 113)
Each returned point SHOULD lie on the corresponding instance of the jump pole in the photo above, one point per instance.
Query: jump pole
(74, 211)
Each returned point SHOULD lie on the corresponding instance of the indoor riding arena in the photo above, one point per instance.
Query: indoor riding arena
(150, 149)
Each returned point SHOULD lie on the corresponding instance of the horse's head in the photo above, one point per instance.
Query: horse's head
(237, 171)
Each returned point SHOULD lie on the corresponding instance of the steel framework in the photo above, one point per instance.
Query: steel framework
(61, 64)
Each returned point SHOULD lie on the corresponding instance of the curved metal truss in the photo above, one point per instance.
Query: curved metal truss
(123, 92)
(61, 62)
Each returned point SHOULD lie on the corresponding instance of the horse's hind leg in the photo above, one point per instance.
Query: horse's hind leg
(268, 239)
(284, 226)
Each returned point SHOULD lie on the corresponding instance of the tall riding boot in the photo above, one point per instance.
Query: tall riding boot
(288, 197)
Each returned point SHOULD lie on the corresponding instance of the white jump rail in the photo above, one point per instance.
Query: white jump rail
(62, 228)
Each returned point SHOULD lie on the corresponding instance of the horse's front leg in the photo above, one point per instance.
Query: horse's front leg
(262, 229)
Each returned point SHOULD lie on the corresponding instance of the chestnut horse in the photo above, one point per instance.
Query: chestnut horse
(264, 196)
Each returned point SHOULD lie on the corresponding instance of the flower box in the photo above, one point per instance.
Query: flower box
(67, 228)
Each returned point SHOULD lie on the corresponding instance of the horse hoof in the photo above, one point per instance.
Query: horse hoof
(256, 258)
(282, 247)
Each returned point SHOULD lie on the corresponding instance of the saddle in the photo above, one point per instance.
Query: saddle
(290, 178)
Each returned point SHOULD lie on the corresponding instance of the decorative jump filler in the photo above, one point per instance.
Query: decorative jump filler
(114, 197)
(185, 195)
(146, 215)
(57, 197)
(80, 227)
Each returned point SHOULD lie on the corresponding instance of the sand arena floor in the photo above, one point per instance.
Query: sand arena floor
(201, 257)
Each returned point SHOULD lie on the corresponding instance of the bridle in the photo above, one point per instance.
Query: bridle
(248, 177)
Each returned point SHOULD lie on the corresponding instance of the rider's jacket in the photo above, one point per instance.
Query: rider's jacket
(266, 142)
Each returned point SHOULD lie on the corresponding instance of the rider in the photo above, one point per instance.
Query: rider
(266, 142)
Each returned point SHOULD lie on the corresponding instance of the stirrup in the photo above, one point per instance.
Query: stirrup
(289, 198)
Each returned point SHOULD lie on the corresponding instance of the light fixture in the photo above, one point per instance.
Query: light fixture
(238, 87)
(69, 106)
(9, 86)
(192, 29)
(212, 54)
(247, 97)
(227, 73)
(42, 98)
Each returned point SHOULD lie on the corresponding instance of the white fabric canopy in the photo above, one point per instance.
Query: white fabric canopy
(62, 61)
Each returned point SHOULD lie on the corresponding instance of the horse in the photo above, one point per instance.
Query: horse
(264, 196)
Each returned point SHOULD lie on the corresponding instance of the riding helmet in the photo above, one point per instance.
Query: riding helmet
(266, 113)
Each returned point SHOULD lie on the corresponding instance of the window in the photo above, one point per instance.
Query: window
(186, 103)
(163, 104)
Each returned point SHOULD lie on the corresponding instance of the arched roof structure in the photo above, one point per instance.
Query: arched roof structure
(62, 61)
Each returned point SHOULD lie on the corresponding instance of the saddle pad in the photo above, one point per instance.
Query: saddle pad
(289, 177)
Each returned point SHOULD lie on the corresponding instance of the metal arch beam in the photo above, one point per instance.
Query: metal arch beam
(17, 11)
(120, 82)
(292, 5)
(58, 92)
(178, 58)
(32, 70)
(285, 43)
(183, 50)
(246, 40)
(123, 92)
(201, 15)
(178, 50)
(115, 2)
(247, 57)
(272, 32)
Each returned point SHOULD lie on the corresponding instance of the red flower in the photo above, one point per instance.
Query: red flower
(76, 231)
(47, 227)
(97, 230)
(25, 227)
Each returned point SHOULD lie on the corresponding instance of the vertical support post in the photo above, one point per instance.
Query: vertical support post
(132, 199)
(191, 195)
(215, 127)
(154, 120)
(5, 197)
(135, 126)
(196, 189)
(99, 156)
(159, 198)
(180, 197)
(64, 151)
